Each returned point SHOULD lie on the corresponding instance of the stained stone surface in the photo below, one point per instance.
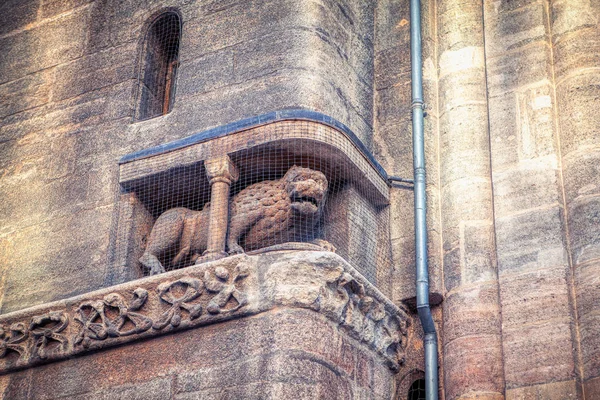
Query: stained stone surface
(68, 71)
(512, 204)
(575, 37)
(266, 334)
(512, 146)
(270, 356)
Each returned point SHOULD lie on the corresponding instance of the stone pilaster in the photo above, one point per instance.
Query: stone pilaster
(472, 339)
(534, 274)
(576, 49)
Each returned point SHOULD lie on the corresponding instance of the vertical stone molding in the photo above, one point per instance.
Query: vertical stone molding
(576, 48)
(533, 269)
(472, 340)
(221, 173)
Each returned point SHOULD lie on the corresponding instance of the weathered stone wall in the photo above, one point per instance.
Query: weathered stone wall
(277, 325)
(539, 331)
(513, 153)
(269, 356)
(68, 74)
(472, 326)
(392, 137)
(512, 143)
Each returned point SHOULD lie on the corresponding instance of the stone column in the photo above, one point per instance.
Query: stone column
(472, 334)
(538, 322)
(576, 49)
(221, 174)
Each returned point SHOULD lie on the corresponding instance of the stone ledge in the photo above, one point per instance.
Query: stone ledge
(205, 294)
(271, 134)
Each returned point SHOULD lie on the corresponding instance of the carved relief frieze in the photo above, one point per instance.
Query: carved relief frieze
(98, 324)
(12, 339)
(190, 290)
(223, 284)
(47, 334)
(205, 294)
(33, 339)
(365, 318)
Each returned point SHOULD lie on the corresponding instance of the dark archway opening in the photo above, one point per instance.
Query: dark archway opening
(417, 390)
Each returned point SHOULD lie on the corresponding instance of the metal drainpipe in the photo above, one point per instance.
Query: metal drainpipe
(422, 281)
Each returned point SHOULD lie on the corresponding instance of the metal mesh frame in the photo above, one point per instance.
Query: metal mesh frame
(158, 69)
(353, 212)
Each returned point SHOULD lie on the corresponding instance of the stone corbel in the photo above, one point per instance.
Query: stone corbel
(221, 173)
(234, 287)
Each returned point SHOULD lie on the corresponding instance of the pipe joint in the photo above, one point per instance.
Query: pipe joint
(430, 338)
(419, 173)
(426, 319)
(418, 103)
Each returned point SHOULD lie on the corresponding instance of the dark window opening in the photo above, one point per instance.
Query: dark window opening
(159, 66)
(417, 390)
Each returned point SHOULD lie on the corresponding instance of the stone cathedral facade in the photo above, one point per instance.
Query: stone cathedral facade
(195, 199)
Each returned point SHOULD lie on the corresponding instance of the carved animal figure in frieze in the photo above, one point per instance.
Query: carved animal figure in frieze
(274, 212)
(178, 231)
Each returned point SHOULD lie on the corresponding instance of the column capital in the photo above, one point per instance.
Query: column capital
(221, 169)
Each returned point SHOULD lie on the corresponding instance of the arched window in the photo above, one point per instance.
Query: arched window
(156, 85)
(417, 390)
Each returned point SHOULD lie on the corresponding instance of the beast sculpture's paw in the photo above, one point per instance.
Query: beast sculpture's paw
(324, 244)
(235, 249)
(156, 270)
(151, 264)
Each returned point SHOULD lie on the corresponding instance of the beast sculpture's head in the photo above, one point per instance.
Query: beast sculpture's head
(307, 189)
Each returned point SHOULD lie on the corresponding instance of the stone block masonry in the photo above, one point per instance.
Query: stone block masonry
(515, 181)
(575, 39)
(363, 333)
(472, 348)
(533, 263)
(248, 358)
(513, 148)
(68, 74)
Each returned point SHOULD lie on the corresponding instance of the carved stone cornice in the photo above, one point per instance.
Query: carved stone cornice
(204, 294)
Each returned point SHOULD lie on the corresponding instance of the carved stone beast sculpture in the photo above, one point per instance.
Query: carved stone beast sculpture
(274, 212)
(263, 214)
(177, 230)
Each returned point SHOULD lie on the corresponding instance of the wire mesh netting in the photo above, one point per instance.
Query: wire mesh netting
(292, 185)
(159, 66)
